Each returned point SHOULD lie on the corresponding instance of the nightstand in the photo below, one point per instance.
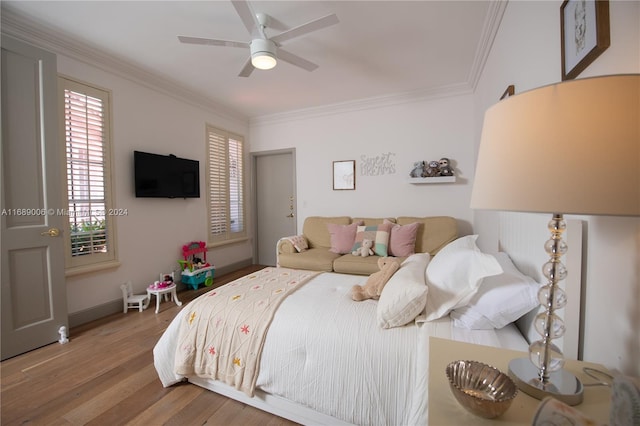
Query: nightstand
(445, 410)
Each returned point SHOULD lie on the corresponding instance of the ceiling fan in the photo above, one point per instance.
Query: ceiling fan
(265, 50)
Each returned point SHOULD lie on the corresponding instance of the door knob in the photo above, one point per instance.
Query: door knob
(290, 214)
(53, 232)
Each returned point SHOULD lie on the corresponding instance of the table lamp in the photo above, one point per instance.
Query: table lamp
(567, 148)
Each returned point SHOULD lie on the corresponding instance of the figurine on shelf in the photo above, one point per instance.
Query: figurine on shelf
(444, 168)
(418, 169)
(432, 169)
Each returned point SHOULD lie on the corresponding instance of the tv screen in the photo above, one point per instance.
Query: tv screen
(165, 176)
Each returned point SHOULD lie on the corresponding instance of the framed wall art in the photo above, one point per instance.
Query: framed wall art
(584, 34)
(344, 175)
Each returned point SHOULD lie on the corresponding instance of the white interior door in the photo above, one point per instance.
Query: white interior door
(275, 201)
(34, 300)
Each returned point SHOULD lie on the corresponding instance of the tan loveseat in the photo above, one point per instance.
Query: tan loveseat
(433, 233)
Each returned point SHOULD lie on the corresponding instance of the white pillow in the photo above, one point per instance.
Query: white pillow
(405, 294)
(454, 275)
(500, 300)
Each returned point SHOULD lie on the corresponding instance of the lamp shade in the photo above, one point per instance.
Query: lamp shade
(572, 148)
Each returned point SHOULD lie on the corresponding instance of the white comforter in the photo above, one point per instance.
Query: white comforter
(326, 352)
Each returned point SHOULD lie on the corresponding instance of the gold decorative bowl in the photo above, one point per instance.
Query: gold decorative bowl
(480, 388)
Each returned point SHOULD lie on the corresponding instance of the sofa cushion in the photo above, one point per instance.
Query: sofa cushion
(315, 259)
(315, 229)
(370, 221)
(434, 232)
(357, 265)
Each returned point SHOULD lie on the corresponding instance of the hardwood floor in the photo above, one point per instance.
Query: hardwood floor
(105, 376)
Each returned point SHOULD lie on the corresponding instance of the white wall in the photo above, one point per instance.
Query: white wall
(150, 236)
(410, 131)
(526, 52)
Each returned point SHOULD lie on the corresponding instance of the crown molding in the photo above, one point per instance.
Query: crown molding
(363, 104)
(22, 27)
(490, 29)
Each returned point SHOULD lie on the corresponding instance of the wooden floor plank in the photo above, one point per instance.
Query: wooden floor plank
(105, 376)
(111, 397)
(55, 409)
(198, 411)
(168, 406)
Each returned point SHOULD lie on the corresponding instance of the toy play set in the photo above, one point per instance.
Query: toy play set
(195, 268)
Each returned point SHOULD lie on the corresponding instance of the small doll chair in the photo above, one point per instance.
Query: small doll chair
(132, 300)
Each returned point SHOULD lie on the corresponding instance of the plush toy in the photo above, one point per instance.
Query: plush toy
(365, 249)
(432, 169)
(444, 169)
(376, 281)
(418, 169)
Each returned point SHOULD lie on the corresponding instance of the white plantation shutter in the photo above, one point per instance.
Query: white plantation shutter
(225, 180)
(86, 138)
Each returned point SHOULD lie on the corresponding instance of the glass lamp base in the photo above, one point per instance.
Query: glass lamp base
(562, 385)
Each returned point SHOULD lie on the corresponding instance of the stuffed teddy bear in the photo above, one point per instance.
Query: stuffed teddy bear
(432, 169)
(365, 249)
(418, 169)
(376, 281)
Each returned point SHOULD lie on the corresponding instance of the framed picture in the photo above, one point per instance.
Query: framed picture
(584, 34)
(344, 174)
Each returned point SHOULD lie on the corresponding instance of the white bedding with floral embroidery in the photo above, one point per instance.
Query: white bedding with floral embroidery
(222, 335)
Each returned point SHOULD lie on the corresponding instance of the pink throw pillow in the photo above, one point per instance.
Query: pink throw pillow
(342, 237)
(402, 241)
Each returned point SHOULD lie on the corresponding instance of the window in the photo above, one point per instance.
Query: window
(91, 224)
(225, 186)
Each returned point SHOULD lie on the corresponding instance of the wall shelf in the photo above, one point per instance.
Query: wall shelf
(435, 179)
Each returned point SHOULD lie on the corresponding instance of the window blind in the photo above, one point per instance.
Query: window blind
(86, 137)
(225, 179)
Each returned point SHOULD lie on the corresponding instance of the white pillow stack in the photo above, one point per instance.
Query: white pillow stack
(501, 299)
(478, 290)
(455, 274)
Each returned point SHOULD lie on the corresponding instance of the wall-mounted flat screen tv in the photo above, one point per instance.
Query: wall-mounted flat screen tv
(165, 176)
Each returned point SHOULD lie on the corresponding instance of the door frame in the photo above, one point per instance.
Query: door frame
(254, 194)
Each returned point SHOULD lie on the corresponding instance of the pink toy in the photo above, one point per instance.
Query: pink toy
(160, 284)
(196, 270)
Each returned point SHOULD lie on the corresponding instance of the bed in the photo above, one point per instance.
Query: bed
(326, 359)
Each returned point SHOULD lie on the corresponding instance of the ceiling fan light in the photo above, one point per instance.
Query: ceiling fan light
(263, 54)
(263, 60)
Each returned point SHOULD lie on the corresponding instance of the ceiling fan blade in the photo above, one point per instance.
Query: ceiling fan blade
(295, 60)
(247, 15)
(212, 42)
(314, 25)
(247, 69)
